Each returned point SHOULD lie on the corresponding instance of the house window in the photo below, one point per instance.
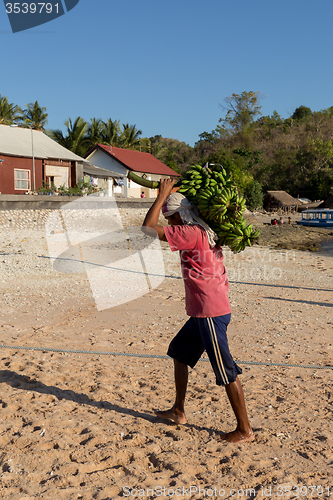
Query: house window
(22, 179)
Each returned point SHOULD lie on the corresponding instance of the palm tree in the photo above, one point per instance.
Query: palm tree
(35, 116)
(58, 136)
(9, 112)
(95, 131)
(130, 136)
(77, 139)
(145, 145)
(111, 133)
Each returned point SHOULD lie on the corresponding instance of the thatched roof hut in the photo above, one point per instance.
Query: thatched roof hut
(275, 200)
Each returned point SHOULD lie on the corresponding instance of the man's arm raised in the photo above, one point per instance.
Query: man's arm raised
(151, 219)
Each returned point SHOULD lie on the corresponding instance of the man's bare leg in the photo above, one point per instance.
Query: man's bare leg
(243, 431)
(177, 412)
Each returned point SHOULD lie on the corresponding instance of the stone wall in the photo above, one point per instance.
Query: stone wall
(131, 213)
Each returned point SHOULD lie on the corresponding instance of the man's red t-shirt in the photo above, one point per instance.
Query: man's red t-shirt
(204, 274)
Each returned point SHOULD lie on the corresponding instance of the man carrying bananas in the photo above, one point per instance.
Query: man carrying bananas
(207, 304)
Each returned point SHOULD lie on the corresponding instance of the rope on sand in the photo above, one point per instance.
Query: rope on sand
(156, 356)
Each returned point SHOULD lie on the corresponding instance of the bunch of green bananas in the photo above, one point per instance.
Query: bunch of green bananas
(219, 205)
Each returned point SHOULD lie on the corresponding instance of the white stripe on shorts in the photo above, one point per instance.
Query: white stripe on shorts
(217, 352)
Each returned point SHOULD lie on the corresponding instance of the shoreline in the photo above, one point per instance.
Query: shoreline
(295, 237)
(289, 237)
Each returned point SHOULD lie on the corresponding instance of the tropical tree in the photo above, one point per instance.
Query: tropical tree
(130, 136)
(77, 139)
(253, 194)
(145, 145)
(235, 165)
(301, 112)
(110, 133)
(9, 112)
(319, 185)
(218, 134)
(176, 154)
(35, 116)
(241, 110)
(253, 158)
(58, 136)
(95, 129)
(315, 155)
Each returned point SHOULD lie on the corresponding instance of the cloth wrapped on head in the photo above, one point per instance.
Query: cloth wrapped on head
(188, 212)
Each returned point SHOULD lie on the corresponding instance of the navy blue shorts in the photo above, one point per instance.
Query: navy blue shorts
(210, 335)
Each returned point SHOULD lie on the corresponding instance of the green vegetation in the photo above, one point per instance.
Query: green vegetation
(9, 112)
(82, 136)
(272, 153)
(80, 189)
(35, 116)
(293, 154)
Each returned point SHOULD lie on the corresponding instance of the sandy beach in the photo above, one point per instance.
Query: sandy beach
(80, 425)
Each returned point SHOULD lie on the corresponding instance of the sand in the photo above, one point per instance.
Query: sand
(81, 425)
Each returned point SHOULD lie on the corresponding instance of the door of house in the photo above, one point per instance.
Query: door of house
(60, 175)
(49, 181)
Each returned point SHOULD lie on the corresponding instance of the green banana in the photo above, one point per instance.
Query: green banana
(143, 182)
(218, 201)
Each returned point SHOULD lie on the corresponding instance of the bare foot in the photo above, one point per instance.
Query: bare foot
(173, 414)
(237, 436)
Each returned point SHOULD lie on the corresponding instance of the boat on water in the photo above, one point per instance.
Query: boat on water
(317, 218)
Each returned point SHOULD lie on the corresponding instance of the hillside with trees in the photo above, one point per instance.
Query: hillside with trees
(293, 154)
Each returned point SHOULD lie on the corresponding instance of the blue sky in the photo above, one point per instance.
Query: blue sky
(166, 66)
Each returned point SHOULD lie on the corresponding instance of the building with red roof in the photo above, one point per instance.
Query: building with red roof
(121, 161)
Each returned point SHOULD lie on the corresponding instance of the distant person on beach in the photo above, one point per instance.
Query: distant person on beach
(273, 222)
(281, 221)
(207, 304)
(289, 220)
(143, 195)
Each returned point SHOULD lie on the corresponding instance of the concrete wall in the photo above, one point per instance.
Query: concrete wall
(39, 202)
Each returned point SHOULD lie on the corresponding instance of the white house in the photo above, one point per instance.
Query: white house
(121, 161)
